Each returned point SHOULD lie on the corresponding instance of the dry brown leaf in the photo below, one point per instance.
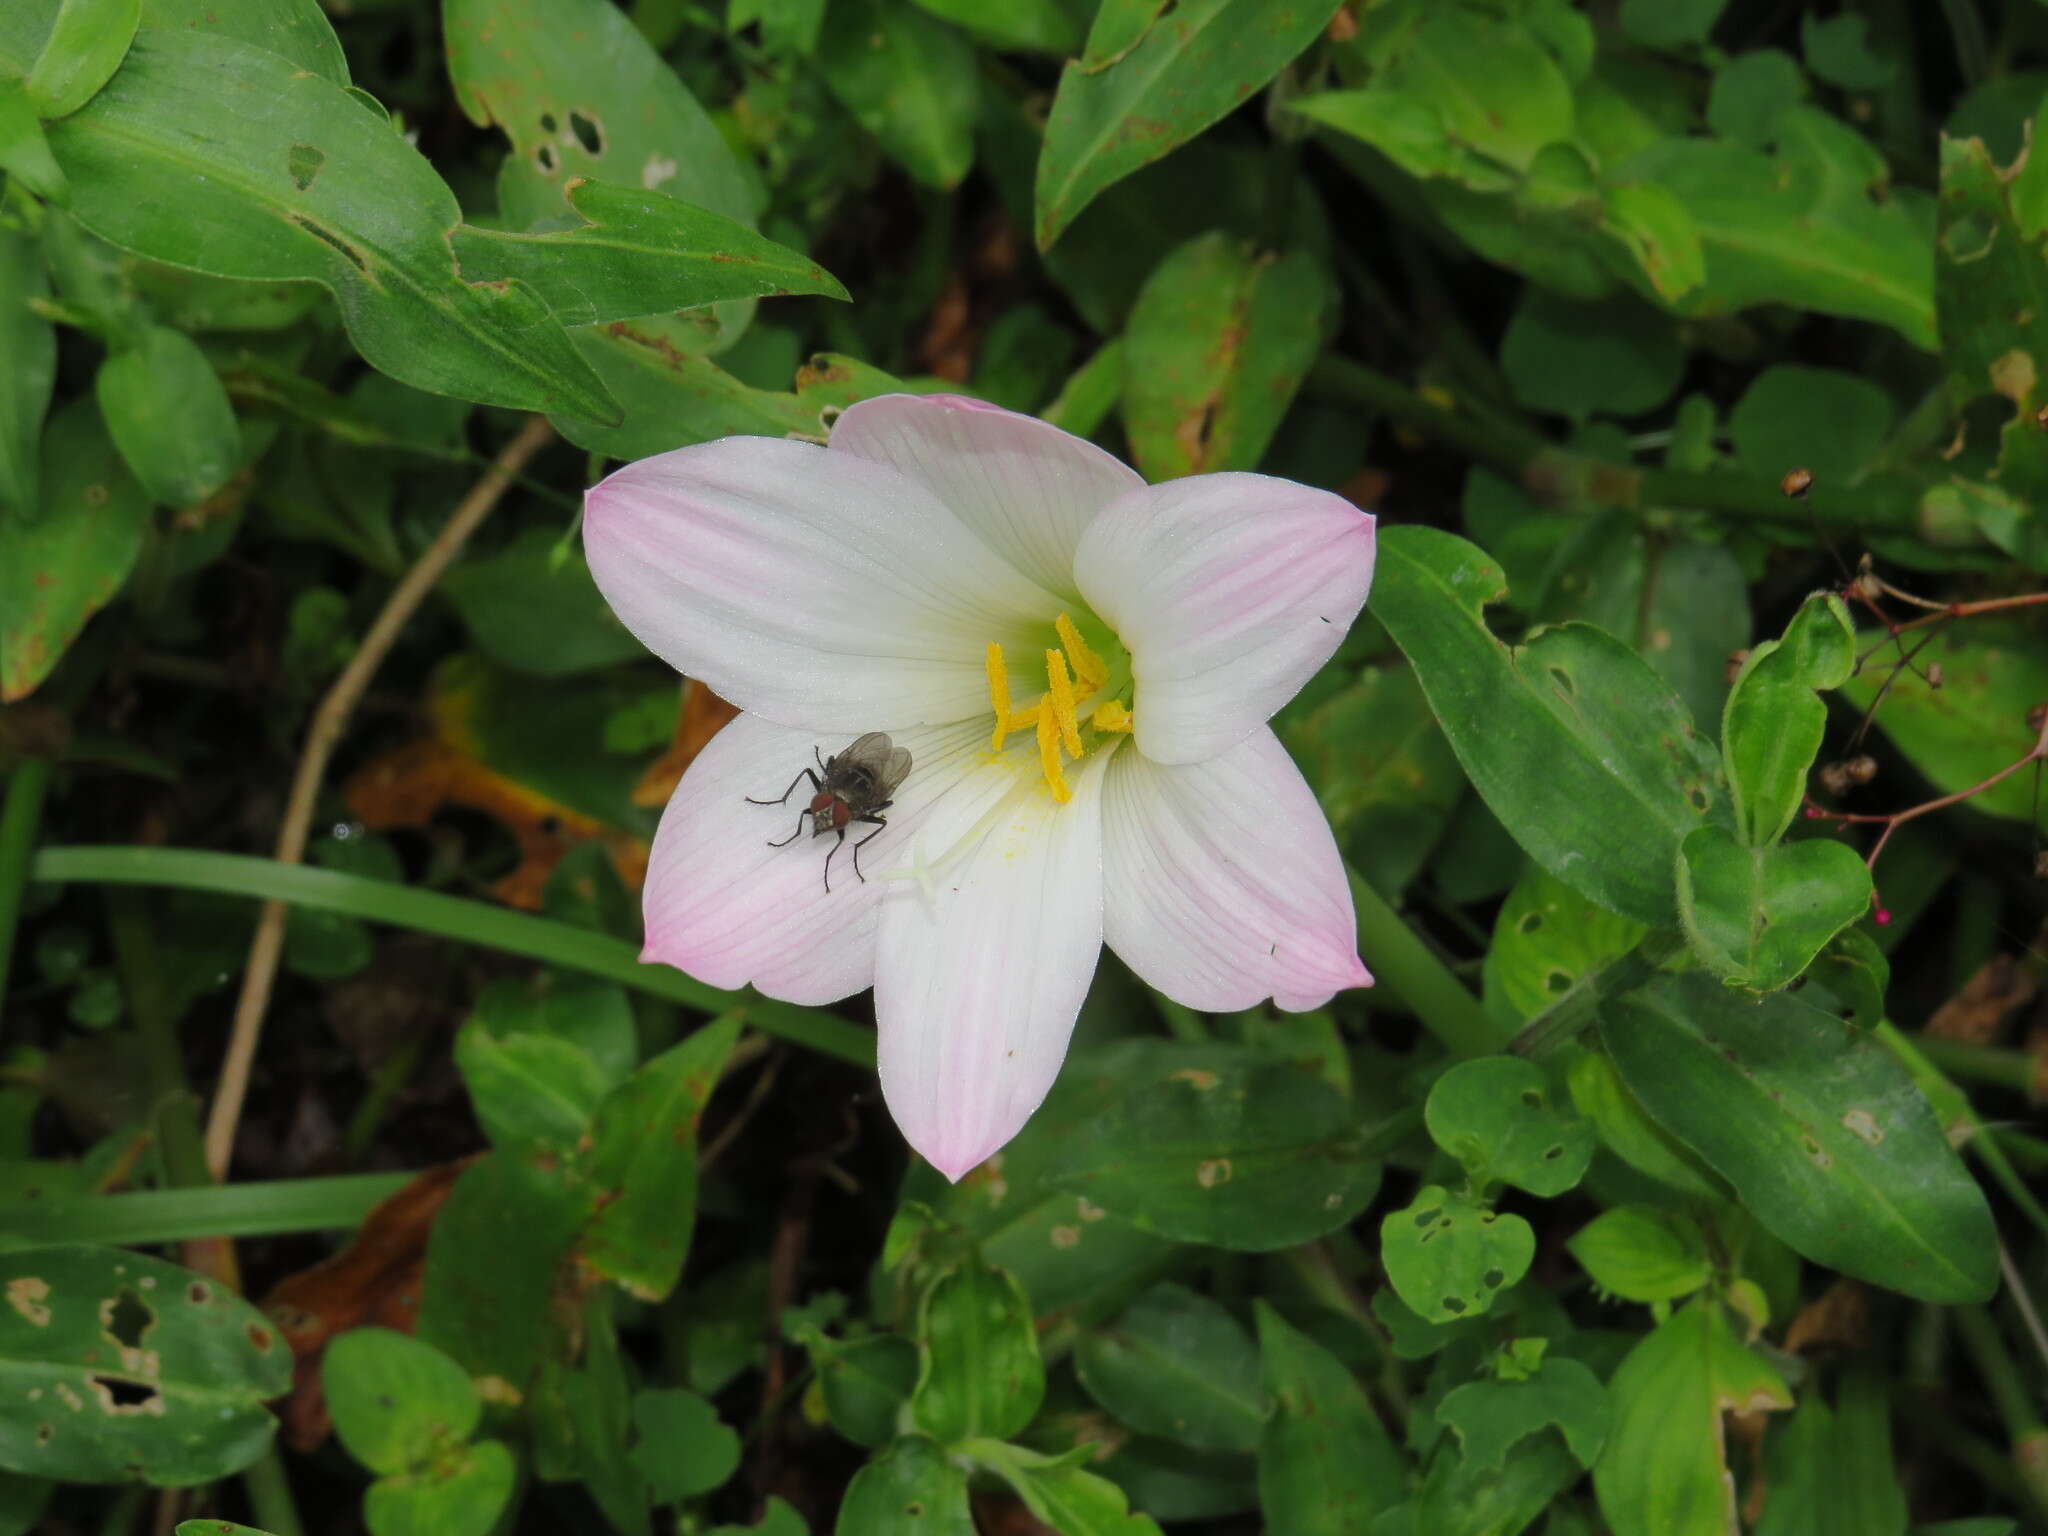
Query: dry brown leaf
(703, 715)
(2001, 987)
(1838, 1320)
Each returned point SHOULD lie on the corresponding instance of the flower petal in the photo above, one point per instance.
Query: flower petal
(727, 908)
(814, 588)
(1024, 485)
(978, 983)
(1222, 884)
(1229, 591)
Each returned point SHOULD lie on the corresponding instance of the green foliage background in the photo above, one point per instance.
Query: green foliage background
(1676, 1178)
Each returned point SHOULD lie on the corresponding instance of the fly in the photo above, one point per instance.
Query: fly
(852, 786)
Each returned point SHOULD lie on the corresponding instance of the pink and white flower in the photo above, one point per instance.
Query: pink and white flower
(910, 578)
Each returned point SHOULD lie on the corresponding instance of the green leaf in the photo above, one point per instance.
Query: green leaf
(640, 253)
(210, 153)
(24, 149)
(1495, 1116)
(1838, 50)
(114, 1365)
(1058, 1492)
(1643, 1253)
(1670, 24)
(1449, 1257)
(1772, 726)
(1546, 940)
(532, 1093)
(298, 29)
(907, 78)
(169, 415)
(1035, 26)
(1326, 1466)
(84, 48)
(1625, 775)
(1223, 1146)
(1219, 341)
(535, 613)
(23, 1499)
(1665, 1471)
(1829, 1471)
(29, 343)
(673, 398)
(1750, 93)
(683, 1448)
(592, 1016)
(460, 1495)
(911, 1489)
(63, 566)
(1616, 357)
(582, 1415)
(865, 1383)
(1756, 917)
(1794, 417)
(1177, 1365)
(1821, 1131)
(397, 1403)
(1856, 971)
(980, 1374)
(1117, 111)
(643, 1162)
(1491, 1417)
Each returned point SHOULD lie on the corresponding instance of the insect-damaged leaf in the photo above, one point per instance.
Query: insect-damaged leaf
(1585, 754)
(117, 1366)
(208, 152)
(644, 1163)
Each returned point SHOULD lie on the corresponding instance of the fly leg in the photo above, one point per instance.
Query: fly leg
(879, 823)
(783, 798)
(801, 818)
(835, 848)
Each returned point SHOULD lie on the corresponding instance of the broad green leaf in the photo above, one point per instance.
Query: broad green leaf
(1450, 1257)
(1975, 722)
(1821, 1131)
(643, 1162)
(84, 48)
(865, 1383)
(1670, 23)
(1617, 357)
(1626, 1129)
(1625, 775)
(1218, 343)
(1181, 71)
(29, 343)
(1800, 225)
(534, 612)
(1035, 26)
(1496, 1116)
(1756, 917)
(640, 253)
(911, 1489)
(462, 1494)
(397, 1403)
(1665, 1471)
(673, 398)
(1751, 92)
(1643, 1253)
(980, 1374)
(1829, 1471)
(298, 29)
(1491, 1417)
(1546, 940)
(1227, 1147)
(1057, 1491)
(593, 1016)
(207, 152)
(1326, 1465)
(682, 1448)
(1177, 1364)
(1772, 726)
(1856, 971)
(1838, 50)
(114, 1365)
(24, 149)
(169, 415)
(62, 566)
(1821, 419)
(1459, 1496)
(909, 79)
(532, 1093)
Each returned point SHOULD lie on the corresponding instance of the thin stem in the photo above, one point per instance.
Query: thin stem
(322, 735)
(1980, 1063)
(1567, 1018)
(20, 817)
(2023, 1427)
(1409, 969)
(1182, 1022)
(270, 1496)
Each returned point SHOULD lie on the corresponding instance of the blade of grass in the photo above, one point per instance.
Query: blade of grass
(452, 917)
(210, 1210)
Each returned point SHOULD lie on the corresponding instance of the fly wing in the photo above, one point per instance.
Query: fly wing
(894, 771)
(885, 763)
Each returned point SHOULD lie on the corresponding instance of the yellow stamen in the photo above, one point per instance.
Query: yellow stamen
(1062, 699)
(1024, 719)
(1088, 666)
(1049, 757)
(999, 695)
(1111, 716)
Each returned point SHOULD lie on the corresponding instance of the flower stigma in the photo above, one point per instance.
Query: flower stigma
(1075, 672)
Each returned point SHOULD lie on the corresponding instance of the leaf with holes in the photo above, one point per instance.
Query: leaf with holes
(1449, 1257)
(1589, 759)
(1491, 1417)
(1547, 939)
(1819, 1128)
(1756, 917)
(1498, 1117)
(208, 152)
(116, 1366)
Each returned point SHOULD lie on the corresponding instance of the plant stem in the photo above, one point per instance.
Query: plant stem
(142, 981)
(1981, 1063)
(2025, 1432)
(270, 1496)
(20, 817)
(1409, 969)
(1182, 1022)
(1567, 1018)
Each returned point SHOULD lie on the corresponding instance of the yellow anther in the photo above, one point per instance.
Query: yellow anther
(999, 695)
(1049, 757)
(1062, 698)
(1111, 716)
(1088, 666)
